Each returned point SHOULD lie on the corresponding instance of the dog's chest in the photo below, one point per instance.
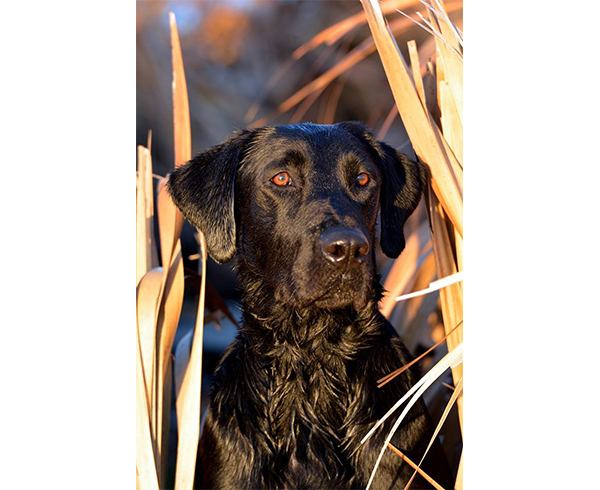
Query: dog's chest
(308, 401)
(307, 393)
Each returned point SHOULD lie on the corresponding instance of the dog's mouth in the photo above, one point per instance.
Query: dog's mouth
(344, 291)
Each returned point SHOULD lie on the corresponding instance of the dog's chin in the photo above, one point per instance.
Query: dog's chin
(327, 290)
(341, 301)
(340, 297)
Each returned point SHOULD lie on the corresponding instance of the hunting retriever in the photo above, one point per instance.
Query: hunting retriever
(296, 391)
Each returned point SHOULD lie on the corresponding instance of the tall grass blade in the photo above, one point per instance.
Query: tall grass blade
(434, 286)
(452, 358)
(182, 360)
(147, 293)
(386, 379)
(387, 123)
(435, 484)
(189, 397)
(451, 123)
(457, 392)
(146, 257)
(451, 297)
(414, 315)
(426, 26)
(426, 138)
(450, 60)
(145, 459)
(415, 66)
(170, 307)
(443, 16)
(459, 477)
(181, 110)
(334, 32)
(399, 276)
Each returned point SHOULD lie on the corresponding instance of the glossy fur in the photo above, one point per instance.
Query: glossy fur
(297, 390)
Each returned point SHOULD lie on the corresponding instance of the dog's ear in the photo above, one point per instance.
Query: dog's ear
(203, 190)
(404, 181)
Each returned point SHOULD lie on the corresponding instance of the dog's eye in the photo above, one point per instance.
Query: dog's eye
(281, 179)
(362, 179)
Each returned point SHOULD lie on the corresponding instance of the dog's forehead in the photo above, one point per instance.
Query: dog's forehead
(313, 141)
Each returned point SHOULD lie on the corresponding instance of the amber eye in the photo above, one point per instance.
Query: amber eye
(281, 179)
(362, 179)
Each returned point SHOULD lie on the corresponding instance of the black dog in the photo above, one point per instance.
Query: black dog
(297, 390)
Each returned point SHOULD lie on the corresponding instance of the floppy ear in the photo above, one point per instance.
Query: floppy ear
(203, 190)
(404, 181)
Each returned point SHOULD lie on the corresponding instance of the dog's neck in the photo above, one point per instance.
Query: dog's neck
(272, 324)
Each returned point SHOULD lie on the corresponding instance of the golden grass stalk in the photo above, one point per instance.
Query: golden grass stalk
(386, 379)
(415, 316)
(145, 463)
(451, 59)
(188, 400)
(435, 484)
(181, 110)
(147, 293)
(415, 66)
(169, 312)
(459, 479)
(425, 136)
(387, 123)
(451, 359)
(336, 31)
(144, 214)
(400, 274)
(444, 282)
(451, 297)
(455, 394)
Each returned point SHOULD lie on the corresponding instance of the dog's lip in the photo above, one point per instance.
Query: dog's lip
(337, 286)
(325, 293)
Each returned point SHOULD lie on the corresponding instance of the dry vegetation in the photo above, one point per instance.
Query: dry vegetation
(428, 99)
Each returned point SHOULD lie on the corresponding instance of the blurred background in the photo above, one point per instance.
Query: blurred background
(268, 62)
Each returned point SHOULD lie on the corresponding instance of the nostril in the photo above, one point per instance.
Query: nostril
(361, 251)
(336, 251)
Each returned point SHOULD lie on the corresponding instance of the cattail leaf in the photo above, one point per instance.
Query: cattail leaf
(147, 295)
(426, 138)
(453, 358)
(188, 399)
(457, 392)
(144, 454)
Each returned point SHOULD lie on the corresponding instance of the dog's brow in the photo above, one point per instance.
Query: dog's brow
(354, 160)
(295, 158)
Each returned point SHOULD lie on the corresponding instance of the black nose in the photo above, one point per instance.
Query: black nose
(344, 246)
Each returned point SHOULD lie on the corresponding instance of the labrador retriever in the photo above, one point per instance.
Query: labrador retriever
(294, 394)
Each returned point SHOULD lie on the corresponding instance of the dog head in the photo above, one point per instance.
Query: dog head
(299, 205)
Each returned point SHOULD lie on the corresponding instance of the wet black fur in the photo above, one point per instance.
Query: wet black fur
(297, 390)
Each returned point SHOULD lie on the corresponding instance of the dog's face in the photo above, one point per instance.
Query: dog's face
(299, 205)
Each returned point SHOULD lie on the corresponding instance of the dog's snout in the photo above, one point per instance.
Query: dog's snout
(344, 246)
